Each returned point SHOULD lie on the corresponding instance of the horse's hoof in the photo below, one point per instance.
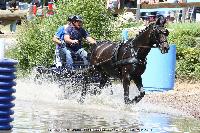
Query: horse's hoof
(137, 98)
(142, 94)
(127, 101)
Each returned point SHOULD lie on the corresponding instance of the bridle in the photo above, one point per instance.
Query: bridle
(154, 36)
(134, 49)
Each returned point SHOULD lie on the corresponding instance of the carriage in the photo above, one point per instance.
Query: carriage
(109, 60)
(70, 81)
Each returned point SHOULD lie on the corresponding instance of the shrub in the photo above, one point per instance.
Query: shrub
(188, 54)
(35, 46)
(130, 25)
(187, 41)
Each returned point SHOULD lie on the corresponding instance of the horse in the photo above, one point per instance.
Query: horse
(127, 61)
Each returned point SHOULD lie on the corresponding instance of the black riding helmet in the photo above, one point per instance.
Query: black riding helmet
(77, 18)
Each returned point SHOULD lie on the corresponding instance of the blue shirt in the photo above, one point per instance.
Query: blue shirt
(76, 34)
(61, 32)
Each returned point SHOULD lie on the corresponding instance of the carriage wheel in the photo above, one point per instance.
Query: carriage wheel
(70, 88)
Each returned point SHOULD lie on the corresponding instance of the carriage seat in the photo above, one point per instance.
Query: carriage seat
(78, 61)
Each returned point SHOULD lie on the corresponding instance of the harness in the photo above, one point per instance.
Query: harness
(131, 60)
(115, 52)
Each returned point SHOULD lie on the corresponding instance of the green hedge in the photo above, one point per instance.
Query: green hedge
(35, 46)
(186, 37)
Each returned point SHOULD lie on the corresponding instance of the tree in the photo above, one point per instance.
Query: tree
(35, 46)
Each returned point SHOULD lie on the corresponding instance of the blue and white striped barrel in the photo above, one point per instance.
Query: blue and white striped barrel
(7, 76)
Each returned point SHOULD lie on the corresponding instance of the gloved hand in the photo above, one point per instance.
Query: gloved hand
(93, 42)
(75, 41)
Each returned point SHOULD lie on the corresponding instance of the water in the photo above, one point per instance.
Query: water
(41, 109)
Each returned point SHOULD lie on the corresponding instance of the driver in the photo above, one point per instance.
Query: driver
(74, 34)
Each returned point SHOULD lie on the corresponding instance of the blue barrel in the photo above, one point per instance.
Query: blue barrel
(160, 71)
(7, 76)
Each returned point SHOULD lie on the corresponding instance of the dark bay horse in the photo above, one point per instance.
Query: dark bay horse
(127, 61)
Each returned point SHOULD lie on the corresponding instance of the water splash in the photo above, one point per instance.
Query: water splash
(41, 108)
(50, 93)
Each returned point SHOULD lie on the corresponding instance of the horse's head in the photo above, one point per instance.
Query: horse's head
(159, 35)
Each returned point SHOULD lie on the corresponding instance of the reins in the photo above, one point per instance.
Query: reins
(134, 46)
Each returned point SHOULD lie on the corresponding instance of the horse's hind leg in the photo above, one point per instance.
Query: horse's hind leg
(103, 81)
(138, 82)
(84, 89)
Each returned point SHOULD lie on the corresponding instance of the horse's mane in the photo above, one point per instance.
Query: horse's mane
(141, 32)
(99, 42)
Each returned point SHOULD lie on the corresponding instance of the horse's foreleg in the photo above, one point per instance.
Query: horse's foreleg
(103, 81)
(138, 82)
(126, 85)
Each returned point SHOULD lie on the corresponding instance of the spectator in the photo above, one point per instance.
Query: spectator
(36, 2)
(2, 7)
(171, 16)
(112, 5)
(2, 4)
(179, 16)
(13, 5)
(150, 1)
(36, 8)
(191, 14)
(129, 3)
(144, 1)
